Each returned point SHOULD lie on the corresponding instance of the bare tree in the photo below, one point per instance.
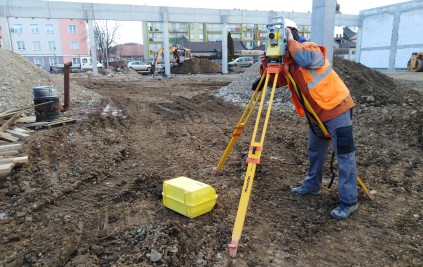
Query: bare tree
(105, 36)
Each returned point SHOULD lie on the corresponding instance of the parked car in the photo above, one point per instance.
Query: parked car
(130, 63)
(139, 66)
(242, 62)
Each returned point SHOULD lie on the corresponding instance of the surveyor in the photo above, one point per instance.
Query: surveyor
(331, 101)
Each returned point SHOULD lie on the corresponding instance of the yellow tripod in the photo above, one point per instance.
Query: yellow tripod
(255, 149)
(256, 146)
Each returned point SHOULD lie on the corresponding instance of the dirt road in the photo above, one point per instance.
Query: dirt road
(91, 192)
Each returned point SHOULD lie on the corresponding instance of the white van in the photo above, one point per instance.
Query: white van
(242, 62)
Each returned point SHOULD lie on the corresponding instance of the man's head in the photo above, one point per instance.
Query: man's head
(293, 27)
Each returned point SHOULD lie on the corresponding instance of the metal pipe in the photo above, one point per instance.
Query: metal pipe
(66, 105)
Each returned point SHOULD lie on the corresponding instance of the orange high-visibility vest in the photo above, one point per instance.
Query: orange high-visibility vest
(325, 86)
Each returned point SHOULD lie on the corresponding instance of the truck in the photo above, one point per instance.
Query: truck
(85, 65)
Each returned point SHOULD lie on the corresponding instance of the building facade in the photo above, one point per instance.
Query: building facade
(45, 42)
(251, 35)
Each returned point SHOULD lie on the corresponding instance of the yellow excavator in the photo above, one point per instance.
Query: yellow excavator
(179, 56)
(416, 62)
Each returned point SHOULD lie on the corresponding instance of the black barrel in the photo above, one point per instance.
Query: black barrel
(46, 112)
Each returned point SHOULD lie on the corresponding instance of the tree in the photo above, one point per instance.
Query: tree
(105, 36)
(231, 47)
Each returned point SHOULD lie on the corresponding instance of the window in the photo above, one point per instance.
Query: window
(214, 37)
(72, 28)
(36, 45)
(18, 28)
(248, 27)
(75, 60)
(74, 45)
(155, 26)
(21, 45)
(34, 28)
(234, 27)
(39, 61)
(51, 45)
(52, 61)
(214, 27)
(248, 35)
(49, 28)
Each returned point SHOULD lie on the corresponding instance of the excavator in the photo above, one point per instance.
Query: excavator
(415, 63)
(179, 56)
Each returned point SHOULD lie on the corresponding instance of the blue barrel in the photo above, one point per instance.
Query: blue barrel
(46, 112)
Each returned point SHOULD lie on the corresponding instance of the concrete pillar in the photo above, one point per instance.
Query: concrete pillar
(93, 46)
(394, 40)
(166, 42)
(224, 44)
(145, 41)
(323, 25)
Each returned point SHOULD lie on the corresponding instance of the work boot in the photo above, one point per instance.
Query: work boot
(343, 211)
(300, 191)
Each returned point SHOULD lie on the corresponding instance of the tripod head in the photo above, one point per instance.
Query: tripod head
(276, 40)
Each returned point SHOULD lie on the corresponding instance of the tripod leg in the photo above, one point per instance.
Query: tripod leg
(239, 128)
(253, 159)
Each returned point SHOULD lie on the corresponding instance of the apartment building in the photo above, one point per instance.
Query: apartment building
(45, 42)
(251, 35)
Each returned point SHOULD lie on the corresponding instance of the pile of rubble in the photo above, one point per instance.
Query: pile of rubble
(18, 76)
(196, 66)
(240, 90)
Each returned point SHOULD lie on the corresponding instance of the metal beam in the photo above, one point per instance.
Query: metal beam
(119, 12)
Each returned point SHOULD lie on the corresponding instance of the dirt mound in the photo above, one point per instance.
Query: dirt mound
(18, 76)
(196, 66)
(370, 86)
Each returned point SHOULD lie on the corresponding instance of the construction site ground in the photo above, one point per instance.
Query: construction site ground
(91, 192)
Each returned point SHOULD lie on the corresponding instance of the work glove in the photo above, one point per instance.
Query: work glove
(263, 60)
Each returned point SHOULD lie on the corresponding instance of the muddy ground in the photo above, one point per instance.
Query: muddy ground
(90, 194)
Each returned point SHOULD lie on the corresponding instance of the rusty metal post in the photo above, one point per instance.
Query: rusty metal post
(66, 105)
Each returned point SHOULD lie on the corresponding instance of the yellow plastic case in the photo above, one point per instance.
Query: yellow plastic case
(188, 197)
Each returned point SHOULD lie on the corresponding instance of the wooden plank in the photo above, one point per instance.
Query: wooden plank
(6, 168)
(12, 111)
(35, 125)
(21, 130)
(7, 113)
(10, 121)
(60, 122)
(10, 147)
(21, 136)
(23, 159)
(9, 153)
(27, 119)
(8, 137)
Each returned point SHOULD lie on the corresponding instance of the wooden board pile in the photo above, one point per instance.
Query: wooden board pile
(9, 152)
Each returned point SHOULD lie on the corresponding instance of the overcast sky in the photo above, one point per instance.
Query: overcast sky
(127, 29)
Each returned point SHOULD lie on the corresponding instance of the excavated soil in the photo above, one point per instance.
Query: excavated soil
(90, 194)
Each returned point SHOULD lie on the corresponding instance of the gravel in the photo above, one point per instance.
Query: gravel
(239, 91)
